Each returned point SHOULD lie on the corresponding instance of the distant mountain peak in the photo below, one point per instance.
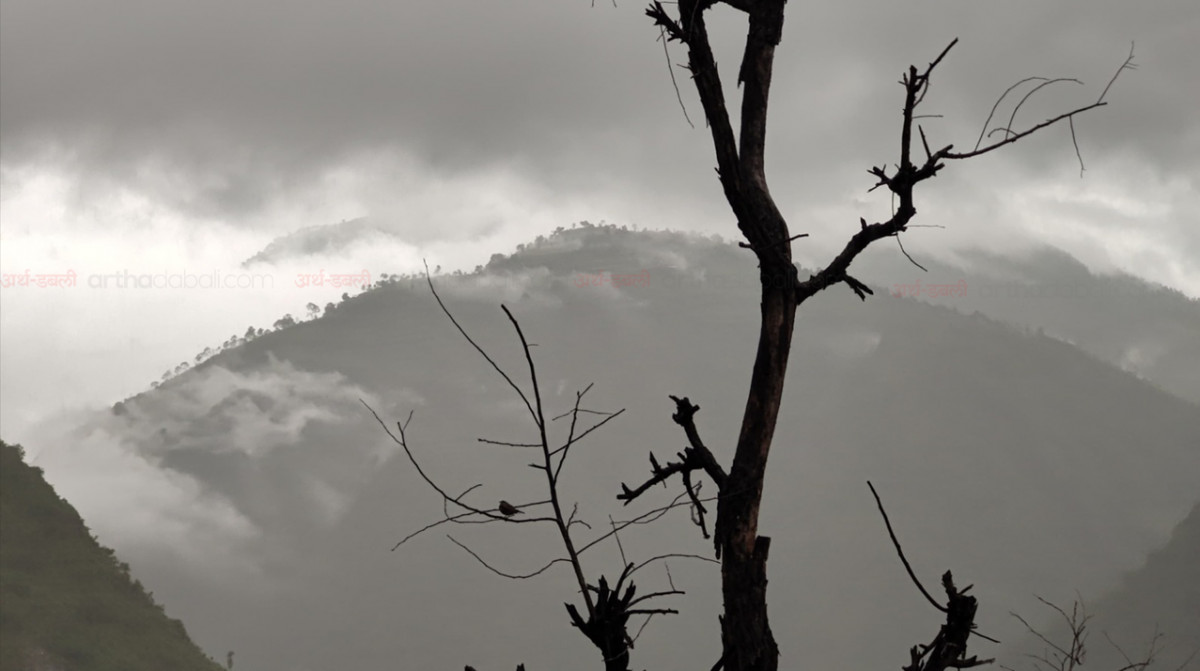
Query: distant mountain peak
(319, 240)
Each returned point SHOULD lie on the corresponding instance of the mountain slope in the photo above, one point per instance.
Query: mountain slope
(1153, 608)
(1143, 328)
(68, 603)
(1162, 596)
(1017, 460)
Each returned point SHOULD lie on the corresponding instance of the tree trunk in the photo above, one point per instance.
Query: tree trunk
(746, 634)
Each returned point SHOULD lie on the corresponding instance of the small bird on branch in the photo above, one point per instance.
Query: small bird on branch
(507, 509)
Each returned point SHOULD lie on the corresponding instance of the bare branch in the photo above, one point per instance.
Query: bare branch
(1069, 655)
(907, 255)
(1127, 65)
(645, 518)
(983, 131)
(617, 537)
(900, 551)
(662, 36)
(506, 443)
(1027, 96)
(403, 443)
(693, 458)
(571, 441)
(491, 362)
(672, 555)
(1017, 136)
(693, 32)
(503, 574)
(1012, 137)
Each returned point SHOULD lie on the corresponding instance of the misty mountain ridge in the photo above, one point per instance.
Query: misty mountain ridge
(1144, 328)
(1139, 326)
(1020, 461)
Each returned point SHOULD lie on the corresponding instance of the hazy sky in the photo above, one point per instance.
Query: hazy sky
(181, 138)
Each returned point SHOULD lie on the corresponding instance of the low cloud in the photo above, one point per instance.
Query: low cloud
(133, 504)
(198, 469)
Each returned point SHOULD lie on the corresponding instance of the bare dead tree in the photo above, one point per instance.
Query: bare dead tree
(747, 641)
(607, 609)
(746, 637)
(1070, 653)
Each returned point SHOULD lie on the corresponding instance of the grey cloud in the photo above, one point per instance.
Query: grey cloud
(216, 394)
(224, 454)
(138, 506)
(304, 84)
(567, 91)
(249, 114)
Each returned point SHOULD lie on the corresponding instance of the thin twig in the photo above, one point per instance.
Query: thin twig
(662, 36)
(910, 258)
(900, 551)
(479, 349)
(983, 131)
(493, 569)
(1127, 65)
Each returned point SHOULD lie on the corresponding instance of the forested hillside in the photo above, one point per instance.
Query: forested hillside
(68, 603)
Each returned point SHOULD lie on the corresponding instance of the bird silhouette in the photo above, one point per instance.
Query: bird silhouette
(507, 509)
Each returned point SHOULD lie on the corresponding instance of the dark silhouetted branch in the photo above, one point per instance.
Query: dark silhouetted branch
(948, 650)
(606, 612)
(607, 625)
(695, 457)
(900, 551)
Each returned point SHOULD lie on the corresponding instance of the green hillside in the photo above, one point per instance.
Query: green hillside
(67, 602)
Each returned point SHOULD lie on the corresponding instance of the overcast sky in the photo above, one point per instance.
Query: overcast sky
(167, 137)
